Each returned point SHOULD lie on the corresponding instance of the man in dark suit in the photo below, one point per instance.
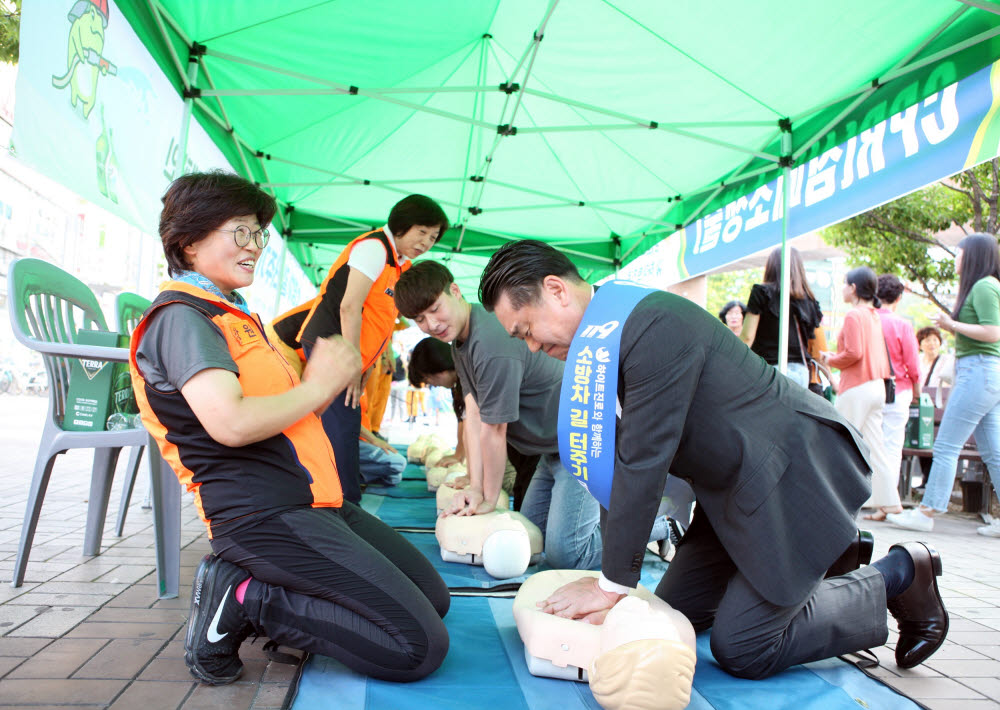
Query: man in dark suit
(779, 478)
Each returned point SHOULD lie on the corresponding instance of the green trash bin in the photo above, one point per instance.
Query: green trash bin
(920, 426)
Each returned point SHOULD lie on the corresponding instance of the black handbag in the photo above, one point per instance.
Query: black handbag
(890, 382)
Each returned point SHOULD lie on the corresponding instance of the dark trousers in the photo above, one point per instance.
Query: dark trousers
(342, 425)
(341, 583)
(753, 638)
(524, 465)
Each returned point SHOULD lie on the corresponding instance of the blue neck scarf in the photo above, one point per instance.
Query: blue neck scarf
(195, 279)
(587, 400)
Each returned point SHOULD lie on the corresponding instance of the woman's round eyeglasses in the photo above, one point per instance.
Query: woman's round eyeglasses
(242, 236)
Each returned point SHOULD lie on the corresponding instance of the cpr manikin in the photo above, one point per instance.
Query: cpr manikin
(503, 542)
(642, 656)
(417, 451)
(445, 495)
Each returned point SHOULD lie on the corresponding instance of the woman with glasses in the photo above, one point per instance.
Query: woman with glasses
(293, 560)
(355, 300)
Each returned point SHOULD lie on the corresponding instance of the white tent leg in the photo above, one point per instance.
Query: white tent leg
(786, 149)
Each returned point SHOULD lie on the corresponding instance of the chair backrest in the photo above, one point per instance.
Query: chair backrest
(48, 305)
(129, 308)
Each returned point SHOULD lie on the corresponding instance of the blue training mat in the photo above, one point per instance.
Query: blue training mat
(485, 665)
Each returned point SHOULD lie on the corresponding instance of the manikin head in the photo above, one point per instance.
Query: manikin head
(428, 295)
(537, 295)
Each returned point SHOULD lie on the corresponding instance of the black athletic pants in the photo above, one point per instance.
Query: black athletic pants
(341, 583)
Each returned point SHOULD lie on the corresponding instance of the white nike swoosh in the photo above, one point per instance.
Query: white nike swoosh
(213, 631)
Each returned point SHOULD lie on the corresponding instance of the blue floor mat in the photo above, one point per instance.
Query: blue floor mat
(485, 668)
(485, 665)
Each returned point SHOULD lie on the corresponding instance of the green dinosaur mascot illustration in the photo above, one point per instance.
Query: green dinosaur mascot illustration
(85, 60)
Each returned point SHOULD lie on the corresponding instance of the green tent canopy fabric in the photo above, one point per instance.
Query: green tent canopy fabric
(599, 126)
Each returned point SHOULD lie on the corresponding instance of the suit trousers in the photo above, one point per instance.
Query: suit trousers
(753, 638)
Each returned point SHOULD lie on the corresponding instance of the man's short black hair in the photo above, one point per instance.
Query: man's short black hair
(420, 286)
(518, 268)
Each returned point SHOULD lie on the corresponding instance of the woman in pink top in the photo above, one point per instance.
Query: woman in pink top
(902, 346)
(864, 365)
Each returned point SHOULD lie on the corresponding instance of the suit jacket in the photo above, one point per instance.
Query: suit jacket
(777, 471)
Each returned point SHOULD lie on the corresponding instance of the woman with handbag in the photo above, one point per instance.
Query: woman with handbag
(865, 370)
(974, 404)
(760, 324)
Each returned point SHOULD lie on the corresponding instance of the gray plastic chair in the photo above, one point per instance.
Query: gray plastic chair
(129, 308)
(48, 307)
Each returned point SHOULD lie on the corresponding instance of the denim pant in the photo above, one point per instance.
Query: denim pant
(378, 466)
(973, 408)
(797, 373)
(567, 515)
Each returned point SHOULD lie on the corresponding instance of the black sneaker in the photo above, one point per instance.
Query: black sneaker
(217, 625)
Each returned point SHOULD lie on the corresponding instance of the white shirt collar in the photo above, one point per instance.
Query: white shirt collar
(392, 240)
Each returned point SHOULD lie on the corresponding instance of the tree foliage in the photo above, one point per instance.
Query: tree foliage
(10, 30)
(900, 237)
(730, 286)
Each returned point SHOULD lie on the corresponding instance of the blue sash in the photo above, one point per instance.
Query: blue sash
(587, 401)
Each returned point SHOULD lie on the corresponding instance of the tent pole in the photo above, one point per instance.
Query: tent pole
(281, 275)
(192, 74)
(786, 150)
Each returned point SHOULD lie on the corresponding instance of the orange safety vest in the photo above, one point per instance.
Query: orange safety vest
(288, 324)
(234, 486)
(378, 313)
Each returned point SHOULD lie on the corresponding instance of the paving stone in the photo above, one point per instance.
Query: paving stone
(962, 705)
(128, 614)
(206, 697)
(166, 669)
(54, 622)
(12, 617)
(154, 695)
(13, 646)
(59, 659)
(8, 663)
(962, 669)
(121, 658)
(990, 687)
(103, 588)
(127, 630)
(59, 600)
(128, 573)
(932, 688)
(23, 692)
(270, 695)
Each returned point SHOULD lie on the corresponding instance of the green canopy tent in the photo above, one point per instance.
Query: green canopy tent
(597, 126)
(601, 127)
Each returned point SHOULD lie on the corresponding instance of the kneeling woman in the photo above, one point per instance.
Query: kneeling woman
(294, 561)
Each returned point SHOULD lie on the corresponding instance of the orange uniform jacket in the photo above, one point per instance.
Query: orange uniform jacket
(378, 313)
(235, 486)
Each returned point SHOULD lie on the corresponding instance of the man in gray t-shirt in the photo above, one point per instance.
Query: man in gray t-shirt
(511, 397)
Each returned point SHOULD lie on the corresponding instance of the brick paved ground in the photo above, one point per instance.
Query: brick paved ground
(89, 632)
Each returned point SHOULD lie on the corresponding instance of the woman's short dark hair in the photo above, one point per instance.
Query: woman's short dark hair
(197, 203)
(865, 284)
(730, 306)
(927, 332)
(518, 268)
(417, 210)
(890, 288)
(980, 258)
(420, 286)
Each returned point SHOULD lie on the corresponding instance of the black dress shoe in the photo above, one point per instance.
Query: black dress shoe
(923, 621)
(858, 553)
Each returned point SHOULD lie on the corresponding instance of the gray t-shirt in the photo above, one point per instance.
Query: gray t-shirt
(510, 384)
(180, 342)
